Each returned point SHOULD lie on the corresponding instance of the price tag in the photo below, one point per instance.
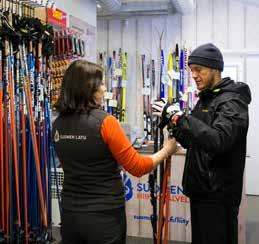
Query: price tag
(146, 91)
(170, 74)
(113, 103)
(147, 82)
(114, 83)
(184, 97)
(118, 72)
(189, 89)
(123, 83)
(108, 95)
(176, 75)
(169, 81)
(163, 79)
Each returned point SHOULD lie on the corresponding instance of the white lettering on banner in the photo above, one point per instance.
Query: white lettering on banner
(67, 137)
(73, 137)
(172, 219)
(59, 137)
(80, 137)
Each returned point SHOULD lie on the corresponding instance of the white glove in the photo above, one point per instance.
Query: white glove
(173, 109)
(157, 107)
(170, 111)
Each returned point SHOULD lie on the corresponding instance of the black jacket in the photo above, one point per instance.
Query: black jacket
(215, 137)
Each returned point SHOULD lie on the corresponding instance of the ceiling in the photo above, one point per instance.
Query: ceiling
(117, 8)
(126, 8)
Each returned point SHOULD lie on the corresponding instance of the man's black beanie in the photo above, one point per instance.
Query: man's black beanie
(207, 55)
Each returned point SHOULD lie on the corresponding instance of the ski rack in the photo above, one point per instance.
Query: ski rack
(15, 5)
(25, 130)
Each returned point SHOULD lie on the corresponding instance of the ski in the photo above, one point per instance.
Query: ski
(124, 88)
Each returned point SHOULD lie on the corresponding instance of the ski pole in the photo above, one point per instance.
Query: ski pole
(13, 134)
(34, 142)
(1, 147)
(167, 199)
(24, 158)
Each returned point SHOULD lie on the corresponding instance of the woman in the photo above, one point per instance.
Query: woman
(91, 147)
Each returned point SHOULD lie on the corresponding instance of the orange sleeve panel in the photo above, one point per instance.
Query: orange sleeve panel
(122, 150)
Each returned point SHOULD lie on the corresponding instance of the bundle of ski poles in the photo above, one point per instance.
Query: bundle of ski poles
(26, 47)
(115, 78)
(174, 86)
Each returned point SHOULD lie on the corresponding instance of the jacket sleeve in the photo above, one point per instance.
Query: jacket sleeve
(181, 137)
(230, 123)
(122, 150)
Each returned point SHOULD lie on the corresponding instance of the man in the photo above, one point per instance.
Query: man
(214, 135)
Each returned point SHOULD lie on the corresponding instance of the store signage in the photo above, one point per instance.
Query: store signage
(57, 17)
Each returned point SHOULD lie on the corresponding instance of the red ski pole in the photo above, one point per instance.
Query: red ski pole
(167, 199)
(1, 146)
(164, 206)
(13, 136)
(161, 211)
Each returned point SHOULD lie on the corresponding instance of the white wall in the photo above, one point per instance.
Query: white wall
(82, 9)
(138, 36)
(85, 11)
(230, 24)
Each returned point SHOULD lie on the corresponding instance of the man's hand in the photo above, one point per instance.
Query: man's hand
(157, 107)
(171, 113)
(176, 114)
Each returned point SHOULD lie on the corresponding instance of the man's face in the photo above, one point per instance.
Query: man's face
(203, 76)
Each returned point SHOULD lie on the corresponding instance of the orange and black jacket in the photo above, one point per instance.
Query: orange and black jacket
(92, 148)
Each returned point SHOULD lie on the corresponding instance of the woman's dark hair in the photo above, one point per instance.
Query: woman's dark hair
(81, 80)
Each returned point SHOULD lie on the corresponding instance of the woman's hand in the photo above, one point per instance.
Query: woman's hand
(170, 146)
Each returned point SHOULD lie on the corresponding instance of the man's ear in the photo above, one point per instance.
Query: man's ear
(216, 71)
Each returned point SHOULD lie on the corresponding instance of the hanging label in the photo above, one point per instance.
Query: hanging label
(176, 75)
(114, 83)
(147, 82)
(163, 79)
(41, 89)
(108, 95)
(146, 91)
(113, 103)
(189, 89)
(123, 83)
(170, 74)
(184, 97)
(169, 82)
(118, 72)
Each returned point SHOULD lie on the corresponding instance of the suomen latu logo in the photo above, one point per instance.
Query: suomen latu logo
(128, 187)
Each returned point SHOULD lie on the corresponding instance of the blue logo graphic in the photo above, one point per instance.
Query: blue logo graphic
(128, 187)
